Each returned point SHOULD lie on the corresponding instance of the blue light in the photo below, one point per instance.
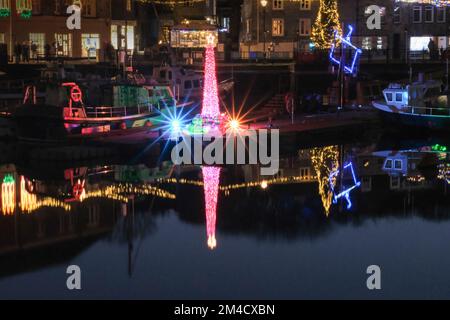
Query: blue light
(346, 43)
(345, 193)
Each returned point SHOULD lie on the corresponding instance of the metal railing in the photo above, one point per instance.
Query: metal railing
(120, 111)
(430, 111)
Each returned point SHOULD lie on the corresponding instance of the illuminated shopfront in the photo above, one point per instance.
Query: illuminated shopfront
(195, 36)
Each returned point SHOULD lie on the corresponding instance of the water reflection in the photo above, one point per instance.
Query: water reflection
(211, 178)
(122, 203)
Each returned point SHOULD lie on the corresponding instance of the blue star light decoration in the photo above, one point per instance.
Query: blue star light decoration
(346, 42)
(345, 192)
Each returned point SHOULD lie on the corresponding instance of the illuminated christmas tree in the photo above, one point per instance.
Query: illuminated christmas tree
(210, 105)
(326, 23)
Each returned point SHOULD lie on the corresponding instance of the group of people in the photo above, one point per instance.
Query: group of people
(25, 51)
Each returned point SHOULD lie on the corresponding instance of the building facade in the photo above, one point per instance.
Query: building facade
(102, 22)
(283, 27)
(276, 27)
(406, 26)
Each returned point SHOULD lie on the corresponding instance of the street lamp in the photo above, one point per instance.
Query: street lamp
(264, 4)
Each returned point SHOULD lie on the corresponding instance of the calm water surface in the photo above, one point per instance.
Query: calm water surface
(165, 232)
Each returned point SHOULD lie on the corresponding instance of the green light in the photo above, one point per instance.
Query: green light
(4, 12)
(26, 14)
(8, 179)
(438, 147)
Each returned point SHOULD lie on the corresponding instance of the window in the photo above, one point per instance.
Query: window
(389, 96)
(188, 84)
(36, 7)
(90, 43)
(114, 36)
(225, 23)
(277, 27)
(417, 14)
(89, 8)
(39, 40)
(399, 97)
(63, 44)
(395, 182)
(304, 173)
(248, 25)
(388, 164)
(440, 14)
(429, 14)
(398, 164)
(305, 27)
(305, 4)
(277, 4)
(196, 83)
(57, 7)
(396, 16)
(2, 38)
(128, 5)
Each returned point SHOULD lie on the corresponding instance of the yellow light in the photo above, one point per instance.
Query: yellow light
(264, 3)
(234, 124)
(264, 184)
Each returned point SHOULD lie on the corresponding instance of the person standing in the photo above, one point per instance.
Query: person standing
(18, 51)
(34, 50)
(25, 52)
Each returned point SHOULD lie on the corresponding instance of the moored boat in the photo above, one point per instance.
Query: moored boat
(420, 104)
(73, 120)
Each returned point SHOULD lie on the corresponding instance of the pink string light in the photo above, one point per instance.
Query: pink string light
(210, 104)
(211, 177)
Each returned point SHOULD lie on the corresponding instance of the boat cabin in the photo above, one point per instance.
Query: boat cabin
(185, 82)
(419, 96)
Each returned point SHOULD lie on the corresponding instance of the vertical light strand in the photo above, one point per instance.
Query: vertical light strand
(211, 179)
(210, 104)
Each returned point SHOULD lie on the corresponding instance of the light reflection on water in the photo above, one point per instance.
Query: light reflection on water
(147, 232)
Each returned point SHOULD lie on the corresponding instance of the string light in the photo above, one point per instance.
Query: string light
(325, 160)
(327, 22)
(211, 177)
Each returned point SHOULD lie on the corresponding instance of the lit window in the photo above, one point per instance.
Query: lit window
(305, 27)
(277, 4)
(63, 43)
(90, 43)
(417, 14)
(305, 4)
(277, 27)
(2, 38)
(248, 25)
(128, 5)
(39, 40)
(429, 14)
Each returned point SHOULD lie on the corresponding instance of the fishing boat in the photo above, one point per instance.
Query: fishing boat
(420, 104)
(73, 119)
(186, 83)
